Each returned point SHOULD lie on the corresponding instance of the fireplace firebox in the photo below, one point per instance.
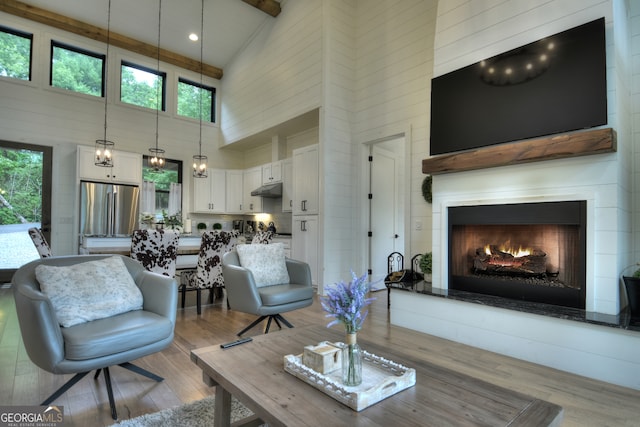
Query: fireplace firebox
(533, 252)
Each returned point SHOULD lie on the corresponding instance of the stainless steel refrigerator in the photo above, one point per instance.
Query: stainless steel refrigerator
(108, 209)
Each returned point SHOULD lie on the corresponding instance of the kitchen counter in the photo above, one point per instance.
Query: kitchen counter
(188, 248)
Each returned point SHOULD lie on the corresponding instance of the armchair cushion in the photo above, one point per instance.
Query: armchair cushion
(90, 290)
(266, 262)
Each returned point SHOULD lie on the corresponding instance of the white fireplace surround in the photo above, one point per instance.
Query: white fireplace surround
(558, 180)
(600, 352)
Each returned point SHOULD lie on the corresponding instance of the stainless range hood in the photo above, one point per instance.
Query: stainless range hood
(269, 190)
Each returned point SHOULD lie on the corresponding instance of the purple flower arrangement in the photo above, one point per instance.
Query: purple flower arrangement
(344, 302)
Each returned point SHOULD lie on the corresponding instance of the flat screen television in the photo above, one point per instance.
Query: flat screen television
(554, 85)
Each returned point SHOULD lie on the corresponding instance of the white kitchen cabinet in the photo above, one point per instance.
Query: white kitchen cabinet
(235, 192)
(306, 188)
(304, 242)
(209, 194)
(251, 180)
(272, 172)
(127, 167)
(287, 185)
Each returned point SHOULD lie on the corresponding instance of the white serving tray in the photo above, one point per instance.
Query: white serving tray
(381, 378)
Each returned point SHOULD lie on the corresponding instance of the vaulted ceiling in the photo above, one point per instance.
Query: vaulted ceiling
(228, 25)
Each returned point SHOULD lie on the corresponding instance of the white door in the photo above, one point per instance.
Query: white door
(386, 207)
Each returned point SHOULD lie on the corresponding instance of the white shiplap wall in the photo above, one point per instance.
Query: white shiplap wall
(394, 69)
(468, 31)
(338, 184)
(277, 76)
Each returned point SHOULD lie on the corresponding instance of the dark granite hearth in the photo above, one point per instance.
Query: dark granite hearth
(622, 320)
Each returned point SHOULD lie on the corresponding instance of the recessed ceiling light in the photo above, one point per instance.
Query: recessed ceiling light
(193, 37)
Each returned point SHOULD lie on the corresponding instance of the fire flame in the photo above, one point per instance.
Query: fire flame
(517, 253)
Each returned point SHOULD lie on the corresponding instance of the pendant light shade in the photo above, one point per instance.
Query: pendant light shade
(104, 147)
(200, 161)
(104, 153)
(156, 155)
(199, 166)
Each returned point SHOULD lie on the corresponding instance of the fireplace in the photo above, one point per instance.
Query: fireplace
(527, 251)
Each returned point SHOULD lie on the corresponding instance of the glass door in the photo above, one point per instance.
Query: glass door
(25, 202)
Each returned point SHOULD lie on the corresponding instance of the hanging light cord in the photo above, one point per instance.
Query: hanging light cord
(106, 70)
(201, 50)
(158, 78)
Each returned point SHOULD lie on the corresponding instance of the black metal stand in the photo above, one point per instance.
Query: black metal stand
(275, 317)
(107, 379)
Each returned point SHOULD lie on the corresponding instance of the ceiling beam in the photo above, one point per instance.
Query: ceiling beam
(270, 7)
(71, 25)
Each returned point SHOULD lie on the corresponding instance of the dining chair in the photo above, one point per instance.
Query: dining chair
(264, 237)
(208, 272)
(156, 250)
(40, 242)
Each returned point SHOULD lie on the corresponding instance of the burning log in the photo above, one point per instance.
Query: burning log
(492, 260)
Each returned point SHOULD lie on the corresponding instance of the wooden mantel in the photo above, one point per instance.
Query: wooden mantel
(574, 144)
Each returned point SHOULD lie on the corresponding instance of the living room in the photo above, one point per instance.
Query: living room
(366, 67)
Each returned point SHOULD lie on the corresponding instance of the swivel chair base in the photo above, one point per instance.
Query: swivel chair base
(275, 317)
(107, 379)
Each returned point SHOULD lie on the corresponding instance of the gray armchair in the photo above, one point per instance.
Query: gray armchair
(97, 344)
(268, 302)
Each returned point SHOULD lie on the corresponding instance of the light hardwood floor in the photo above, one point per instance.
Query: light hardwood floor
(586, 402)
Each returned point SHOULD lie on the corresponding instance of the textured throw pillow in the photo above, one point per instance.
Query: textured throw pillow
(89, 290)
(266, 262)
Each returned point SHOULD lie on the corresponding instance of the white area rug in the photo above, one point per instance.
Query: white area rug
(194, 414)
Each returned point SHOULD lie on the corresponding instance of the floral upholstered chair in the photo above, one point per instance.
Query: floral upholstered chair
(156, 250)
(263, 237)
(40, 242)
(208, 272)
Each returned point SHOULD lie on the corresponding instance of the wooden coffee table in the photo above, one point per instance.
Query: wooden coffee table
(254, 374)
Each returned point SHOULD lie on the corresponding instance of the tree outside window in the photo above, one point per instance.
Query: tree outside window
(142, 86)
(76, 69)
(15, 54)
(189, 94)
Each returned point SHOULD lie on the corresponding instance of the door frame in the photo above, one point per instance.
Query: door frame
(405, 186)
(47, 169)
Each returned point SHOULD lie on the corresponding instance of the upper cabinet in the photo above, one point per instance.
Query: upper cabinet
(209, 194)
(306, 183)
(287, 185)
(127, 167)
(272, 172)
(252, 179)
(235, 192)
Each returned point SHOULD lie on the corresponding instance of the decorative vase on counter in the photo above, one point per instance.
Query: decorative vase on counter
(351, 361)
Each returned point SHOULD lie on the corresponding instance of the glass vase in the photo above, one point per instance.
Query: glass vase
(351, 361)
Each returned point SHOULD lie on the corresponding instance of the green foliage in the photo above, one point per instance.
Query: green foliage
(144, 91)
(217, 226)
(426, 263)
(20, 185)
(427, 188)
(76, 71)
(15, 56)
(202, 226)
(636, 273)
(189, 101)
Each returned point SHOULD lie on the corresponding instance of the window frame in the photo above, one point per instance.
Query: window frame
(200, 86)
(82, 51)
(178, 163)
(162, 74)
(25, 35)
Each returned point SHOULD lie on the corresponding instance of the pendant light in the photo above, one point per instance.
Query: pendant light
(200, 161)
(104, 147)
(156, 155)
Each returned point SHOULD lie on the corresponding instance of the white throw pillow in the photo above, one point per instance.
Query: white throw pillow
(266, 262)
(89, 290)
